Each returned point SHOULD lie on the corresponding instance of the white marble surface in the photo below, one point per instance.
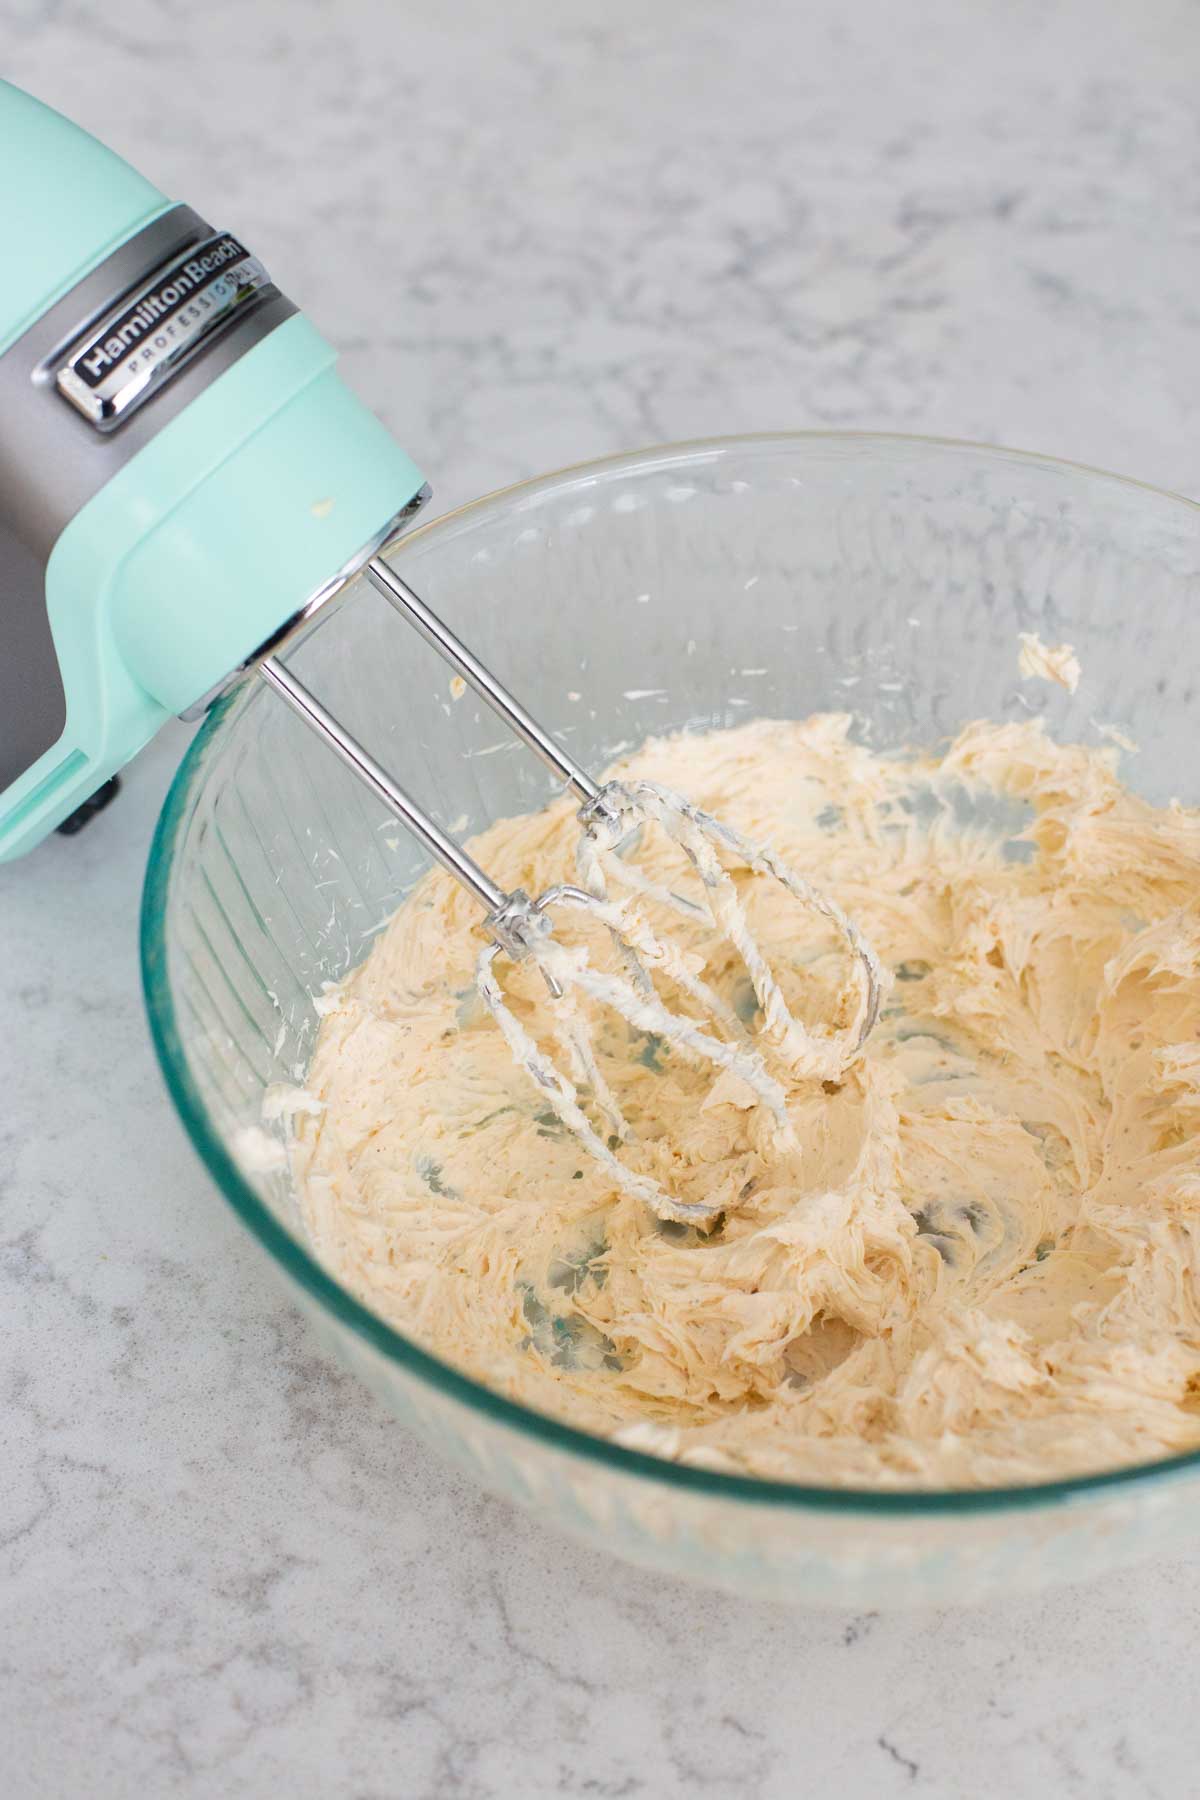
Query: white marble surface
(573, 228)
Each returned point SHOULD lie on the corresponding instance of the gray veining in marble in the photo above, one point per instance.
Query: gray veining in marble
(571, 229)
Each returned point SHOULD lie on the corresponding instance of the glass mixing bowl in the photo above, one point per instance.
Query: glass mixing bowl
(696, 586)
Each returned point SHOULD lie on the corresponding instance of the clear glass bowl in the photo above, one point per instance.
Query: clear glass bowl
(699, 585)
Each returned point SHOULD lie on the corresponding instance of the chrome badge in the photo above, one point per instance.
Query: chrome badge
(127, 358)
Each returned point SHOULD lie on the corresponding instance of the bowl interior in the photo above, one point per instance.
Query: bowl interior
(692, 588)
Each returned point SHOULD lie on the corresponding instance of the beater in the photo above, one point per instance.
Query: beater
(184, 484)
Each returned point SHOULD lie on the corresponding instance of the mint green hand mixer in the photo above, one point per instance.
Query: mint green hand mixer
(184, 484)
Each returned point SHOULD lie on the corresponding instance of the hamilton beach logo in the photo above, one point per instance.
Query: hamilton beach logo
(189, 280)
(192, 298)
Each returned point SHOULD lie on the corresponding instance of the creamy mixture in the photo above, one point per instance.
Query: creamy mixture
(1048, 662)
(979, 1260)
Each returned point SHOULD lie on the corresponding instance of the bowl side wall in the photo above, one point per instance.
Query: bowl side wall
(692, 589)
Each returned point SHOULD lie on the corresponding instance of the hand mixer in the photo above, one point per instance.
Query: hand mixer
(184, 484)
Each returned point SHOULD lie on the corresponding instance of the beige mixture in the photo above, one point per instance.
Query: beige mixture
(979, 1265)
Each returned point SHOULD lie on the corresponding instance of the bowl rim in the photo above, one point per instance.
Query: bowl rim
(304, 1269)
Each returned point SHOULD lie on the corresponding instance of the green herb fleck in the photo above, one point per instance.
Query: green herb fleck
(914, 970)
(431, 1174)
(745, 1002)
(497, 1112)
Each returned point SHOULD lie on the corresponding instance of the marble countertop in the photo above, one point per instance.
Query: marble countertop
(539, 233)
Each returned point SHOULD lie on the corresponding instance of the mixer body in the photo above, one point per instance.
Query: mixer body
(184, 478)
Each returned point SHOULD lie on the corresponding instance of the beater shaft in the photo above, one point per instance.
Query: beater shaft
(439, 636)
(456, 861)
